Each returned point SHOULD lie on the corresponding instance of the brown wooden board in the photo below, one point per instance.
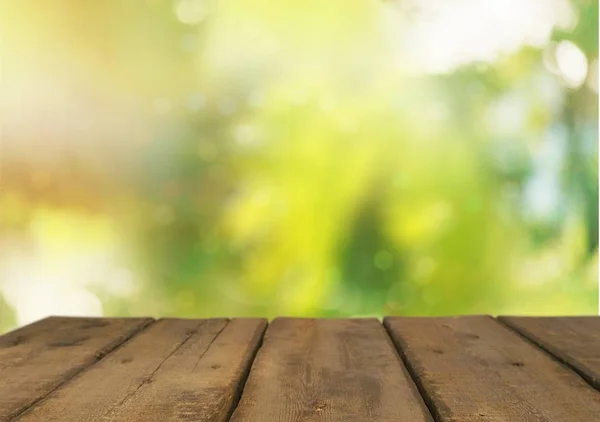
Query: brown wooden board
(37, 358)
(475, 369)
(575, 341)
(330, 370)
(176, 370)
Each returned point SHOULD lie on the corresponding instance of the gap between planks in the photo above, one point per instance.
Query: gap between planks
(242, 385)
(535, 331)
(427, 399)
(474, 368)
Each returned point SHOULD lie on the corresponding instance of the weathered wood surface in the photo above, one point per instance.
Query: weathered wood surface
(333, 370)
(176, 370)
(575, 341)
(476, 369)
(454, 369)
(37, 358)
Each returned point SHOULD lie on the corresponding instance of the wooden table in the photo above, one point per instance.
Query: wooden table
(473, 368)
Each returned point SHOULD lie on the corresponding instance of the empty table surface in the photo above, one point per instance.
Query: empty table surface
(466, 368)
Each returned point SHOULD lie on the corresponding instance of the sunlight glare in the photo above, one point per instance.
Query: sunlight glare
(572, 64)
(449, 34)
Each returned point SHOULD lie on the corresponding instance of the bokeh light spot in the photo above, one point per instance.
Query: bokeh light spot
(571, 63)
(190, 12)
(246, 135)
(383, 260)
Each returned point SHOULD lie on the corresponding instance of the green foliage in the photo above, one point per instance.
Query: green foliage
(274, 160)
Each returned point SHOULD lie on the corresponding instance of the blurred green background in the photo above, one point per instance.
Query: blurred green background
(343, 158)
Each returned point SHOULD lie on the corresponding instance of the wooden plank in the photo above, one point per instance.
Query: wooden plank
(334, 370)
(176, 370)
(575, 341)
(37, 358)
(476, 369)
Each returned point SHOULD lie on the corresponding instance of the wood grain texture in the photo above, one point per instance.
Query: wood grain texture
(575, 341)
(330, 370)
(476, 369)
(37, 358)
(176, 370)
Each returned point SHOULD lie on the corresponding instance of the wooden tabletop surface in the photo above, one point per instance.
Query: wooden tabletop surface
(471, 368)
